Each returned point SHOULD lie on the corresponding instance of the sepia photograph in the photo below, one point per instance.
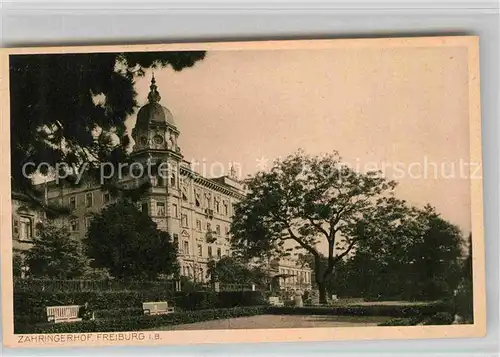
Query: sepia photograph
(273, 191)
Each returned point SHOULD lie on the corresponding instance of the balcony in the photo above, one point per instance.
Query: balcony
(210, 237)
(209, 213)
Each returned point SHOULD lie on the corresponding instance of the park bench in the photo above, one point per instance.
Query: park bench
(157, 308)
(275, 301)
(69, 313)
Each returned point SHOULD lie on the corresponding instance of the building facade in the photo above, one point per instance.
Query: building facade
(195, 210)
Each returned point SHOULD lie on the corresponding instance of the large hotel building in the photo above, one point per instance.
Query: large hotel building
(195, 210)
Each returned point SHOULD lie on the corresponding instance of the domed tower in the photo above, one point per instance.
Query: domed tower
(155, 128)
(155, 135)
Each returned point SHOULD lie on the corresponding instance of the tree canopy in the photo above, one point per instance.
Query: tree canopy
(303, 201)
(230, 270)
(55, 255)
(421, 260)
(127, 243)
(71, 108)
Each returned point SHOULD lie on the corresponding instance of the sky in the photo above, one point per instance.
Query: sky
(400, 110)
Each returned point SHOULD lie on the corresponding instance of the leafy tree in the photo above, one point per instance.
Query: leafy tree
(128, 243)
(57, 116)
(306, 200)
(230, 270)
(419, 259)
(17, 264)
(338, 282)
(55, 254)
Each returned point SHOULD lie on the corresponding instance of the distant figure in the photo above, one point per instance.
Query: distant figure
(85, 312)
(298, 299)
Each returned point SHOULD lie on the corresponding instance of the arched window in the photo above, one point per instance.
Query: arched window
(26, 228)
(172, 179)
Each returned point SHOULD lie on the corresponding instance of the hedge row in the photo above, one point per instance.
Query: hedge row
(441, 318)
(368, 310)
(30, 307)
(133, 319)
(135, 323)
(27, 302)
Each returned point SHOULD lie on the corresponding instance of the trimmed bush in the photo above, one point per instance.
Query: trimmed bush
(30, 307)
(118, 313)
(136, 323)
(195, 300)
(373, 310)
(227, 299)
(28, 302)
(34, 303)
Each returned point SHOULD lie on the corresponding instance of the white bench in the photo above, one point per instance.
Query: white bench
(275, 301)
(67, 313)
(157, 308)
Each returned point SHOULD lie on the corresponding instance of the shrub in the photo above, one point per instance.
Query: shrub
(373, 310)
(195, 300)
(441, 318)
(118, 313)
(464, 302)
(135, 323)
(401, 322)
(227, 299)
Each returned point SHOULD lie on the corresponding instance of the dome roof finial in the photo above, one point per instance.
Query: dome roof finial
(154, 95)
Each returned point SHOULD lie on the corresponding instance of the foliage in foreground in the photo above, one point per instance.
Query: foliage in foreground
(55, 114)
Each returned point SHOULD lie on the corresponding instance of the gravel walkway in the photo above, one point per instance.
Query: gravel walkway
(279, 321)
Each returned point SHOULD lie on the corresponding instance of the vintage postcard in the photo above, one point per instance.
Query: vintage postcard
(273, 191)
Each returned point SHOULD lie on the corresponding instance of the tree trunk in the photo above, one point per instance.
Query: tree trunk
(322, 292)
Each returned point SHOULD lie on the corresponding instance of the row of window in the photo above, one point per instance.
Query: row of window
(161, 211)
(217, 207)
(210, 253)
(89, 200)
(192, 272)
(74, 224)
(296, 276)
